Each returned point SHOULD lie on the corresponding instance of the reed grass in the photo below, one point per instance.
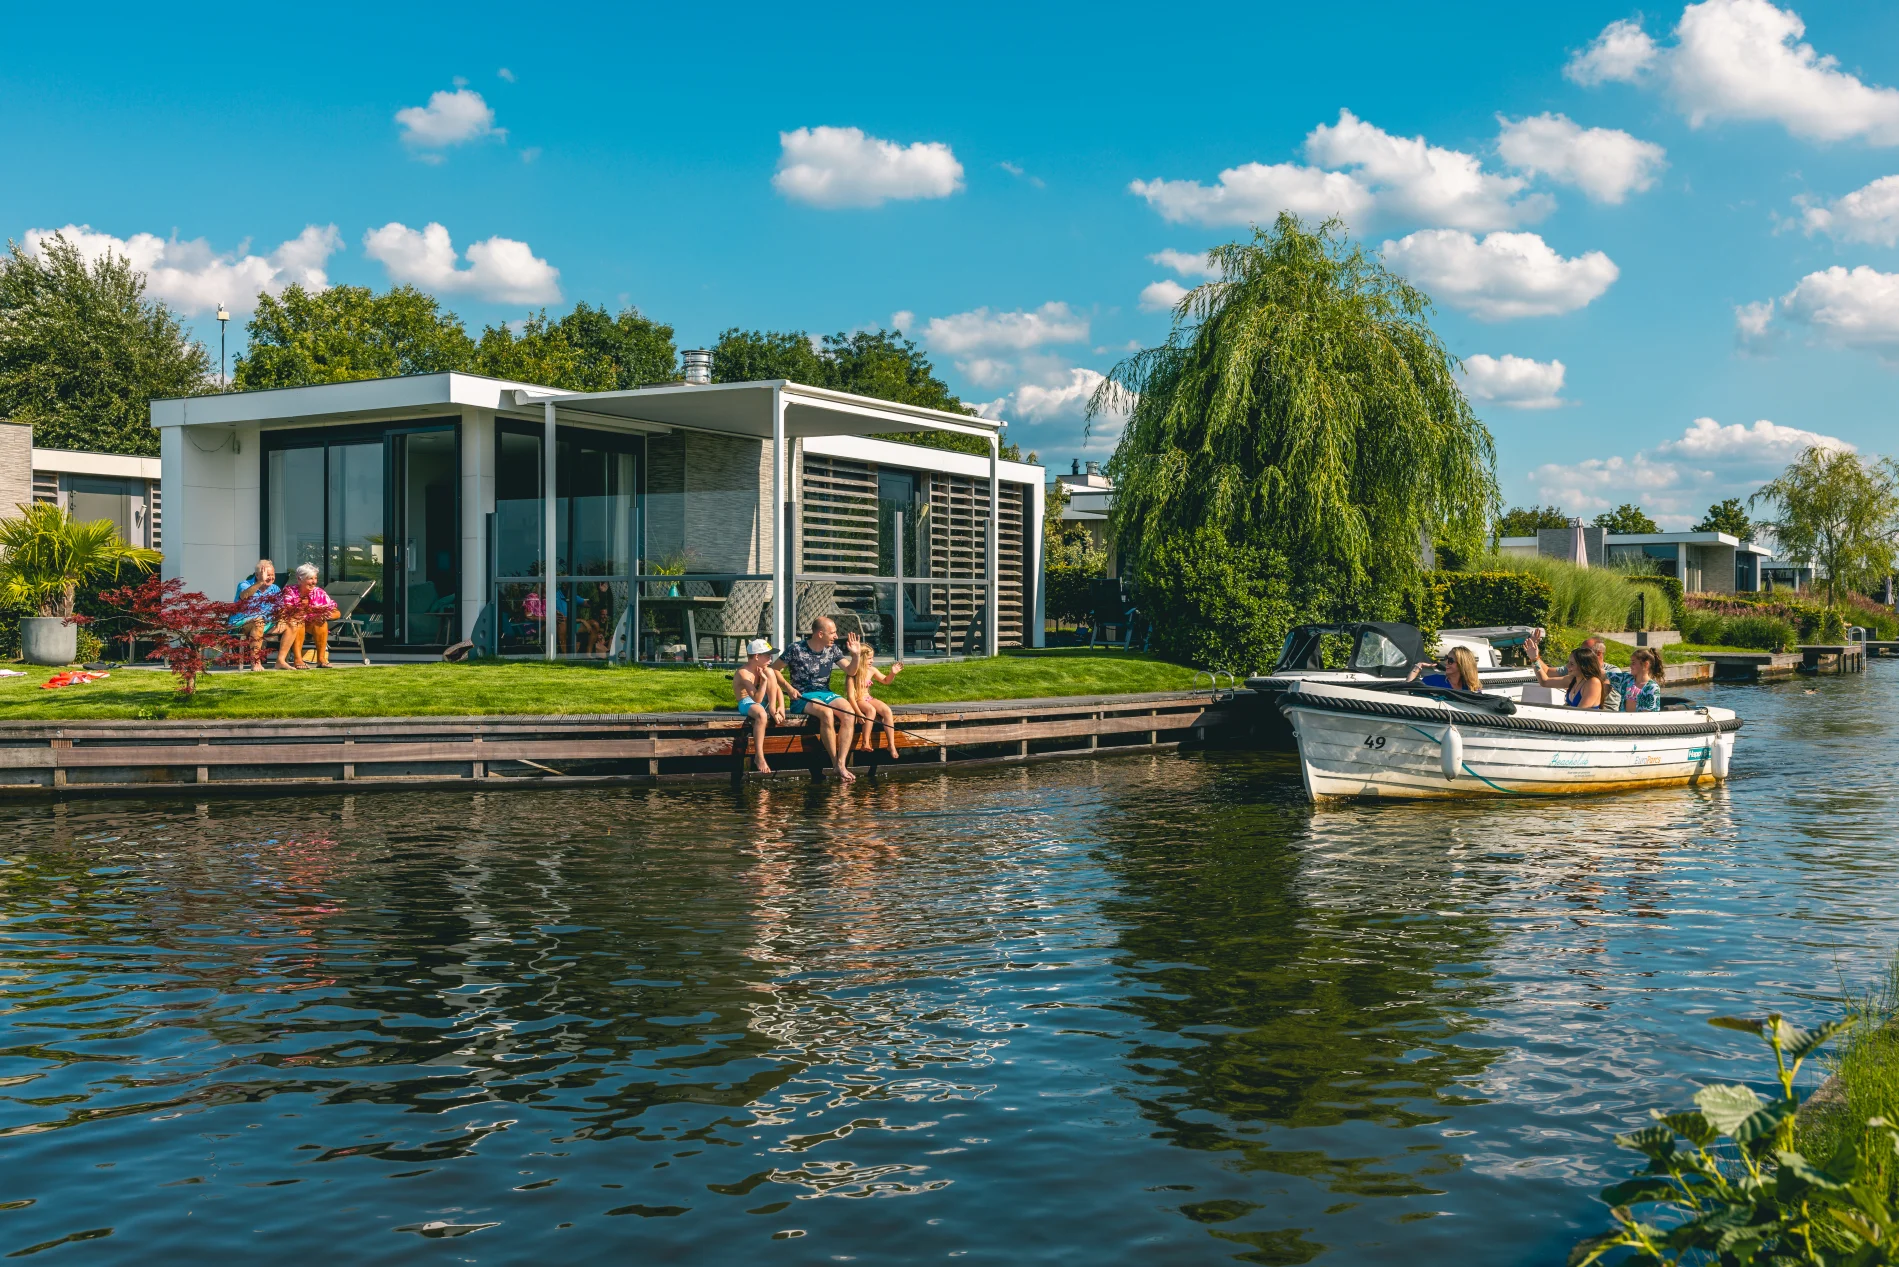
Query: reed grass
(1603, 598)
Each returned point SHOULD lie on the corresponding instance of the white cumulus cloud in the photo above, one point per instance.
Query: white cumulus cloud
(1052, 406)
(1745, 60)
(1255, 193)
(1606, 164)
(1753, 323)
(1506, 275)
(193, 278)
(1194, 265)
(1856, 308)
(1422, 182)
(1517, 382)
(499, 269)
(1869, 214)
(842, 167)
(980, 330)
(1622, 53)
(1360, 172)
(450, 118)
(1162, 296)
(1679, 479)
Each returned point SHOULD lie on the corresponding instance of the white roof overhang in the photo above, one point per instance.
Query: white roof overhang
(745, 409)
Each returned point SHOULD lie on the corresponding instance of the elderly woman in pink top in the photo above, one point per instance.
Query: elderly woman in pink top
(303, 605)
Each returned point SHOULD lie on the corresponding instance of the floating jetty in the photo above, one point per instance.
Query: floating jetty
(328, 754)
(1776, 666)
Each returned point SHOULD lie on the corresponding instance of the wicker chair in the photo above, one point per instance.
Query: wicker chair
(741, 616)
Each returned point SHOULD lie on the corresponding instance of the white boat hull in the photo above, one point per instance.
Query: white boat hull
(1444, 750)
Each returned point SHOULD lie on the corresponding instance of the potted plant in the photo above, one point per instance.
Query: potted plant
(45, 556)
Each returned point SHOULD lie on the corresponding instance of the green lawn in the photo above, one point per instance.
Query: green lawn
(530, 687)
(1618, 652)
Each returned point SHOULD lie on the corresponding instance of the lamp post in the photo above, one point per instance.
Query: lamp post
(223, 317)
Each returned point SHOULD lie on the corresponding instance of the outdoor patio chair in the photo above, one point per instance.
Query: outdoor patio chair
(740, 617)
(348, 595)
(918, 629)
(819, 598)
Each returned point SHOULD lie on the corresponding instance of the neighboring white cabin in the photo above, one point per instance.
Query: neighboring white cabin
(432, 489)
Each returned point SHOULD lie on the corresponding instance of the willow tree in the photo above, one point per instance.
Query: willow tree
(1304, 412)
(1839, 510)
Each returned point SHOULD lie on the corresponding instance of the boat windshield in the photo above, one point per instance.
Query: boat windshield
(1375, 652)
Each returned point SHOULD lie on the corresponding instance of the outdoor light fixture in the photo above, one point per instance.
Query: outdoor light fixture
(223, 316)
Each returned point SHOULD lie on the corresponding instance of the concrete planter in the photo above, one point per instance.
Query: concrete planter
(48, 640)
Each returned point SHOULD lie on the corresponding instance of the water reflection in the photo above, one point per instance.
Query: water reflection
(1152, 1007)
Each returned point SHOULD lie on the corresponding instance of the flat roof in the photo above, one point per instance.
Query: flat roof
(733, 408)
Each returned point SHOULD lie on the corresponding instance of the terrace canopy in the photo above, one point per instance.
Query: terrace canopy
(775, 413)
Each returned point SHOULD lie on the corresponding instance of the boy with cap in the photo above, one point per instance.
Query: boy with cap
(760, 697)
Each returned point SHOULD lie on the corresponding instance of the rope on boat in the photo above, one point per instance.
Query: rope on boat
(1497, 721)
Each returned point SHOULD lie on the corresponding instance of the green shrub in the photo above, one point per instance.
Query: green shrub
(1591, 598)
(1732, 1188)
(1832, 626)
(1768, 633)
(1216, 604)
(1474, 600)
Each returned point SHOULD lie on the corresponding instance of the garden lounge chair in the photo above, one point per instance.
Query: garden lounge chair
(348, 595)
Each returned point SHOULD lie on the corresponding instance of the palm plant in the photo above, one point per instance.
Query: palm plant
(46, 555)
(1302, 404)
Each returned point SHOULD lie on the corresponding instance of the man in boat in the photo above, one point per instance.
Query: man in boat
(761, 698)
(808, 664)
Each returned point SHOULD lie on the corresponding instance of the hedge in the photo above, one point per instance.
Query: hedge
(1474, 600)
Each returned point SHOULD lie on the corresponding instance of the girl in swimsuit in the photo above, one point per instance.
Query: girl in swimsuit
(863, 672)
(1582, 678)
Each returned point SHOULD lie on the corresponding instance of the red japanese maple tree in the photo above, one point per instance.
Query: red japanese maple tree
(192, 631)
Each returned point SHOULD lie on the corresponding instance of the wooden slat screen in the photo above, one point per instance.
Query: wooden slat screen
(959, 510)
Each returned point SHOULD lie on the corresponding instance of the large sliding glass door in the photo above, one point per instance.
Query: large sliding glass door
(597, 534)
(376, 507)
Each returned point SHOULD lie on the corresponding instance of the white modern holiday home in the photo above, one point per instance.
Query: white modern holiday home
(683, 519)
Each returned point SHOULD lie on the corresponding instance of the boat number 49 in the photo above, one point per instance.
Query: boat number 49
(1374, 742)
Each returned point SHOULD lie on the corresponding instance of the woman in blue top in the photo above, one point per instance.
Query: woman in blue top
(1581, 679)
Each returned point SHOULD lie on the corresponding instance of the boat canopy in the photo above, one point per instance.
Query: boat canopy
(1378, 647)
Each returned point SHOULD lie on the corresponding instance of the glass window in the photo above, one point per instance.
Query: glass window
(119, 501)
(1375, 651)
(295, 491)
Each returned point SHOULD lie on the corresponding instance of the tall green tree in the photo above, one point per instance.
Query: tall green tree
(1728, 516)
(540, 354)
(1839, 510)
(349, 332)
(1303, 411)
(636, 349)
(83, 351)
(1626, 518)
(1523, 521)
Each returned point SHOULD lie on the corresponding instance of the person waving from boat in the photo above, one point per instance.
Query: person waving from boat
(1582, 681)
(1456, 670)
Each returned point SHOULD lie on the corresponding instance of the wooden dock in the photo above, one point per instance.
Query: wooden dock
(330, 754)
(1844, 657)
(1881, 650)
(1752, 666)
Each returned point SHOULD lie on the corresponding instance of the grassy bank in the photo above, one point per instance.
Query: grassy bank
(419, 690)
(1563, 637)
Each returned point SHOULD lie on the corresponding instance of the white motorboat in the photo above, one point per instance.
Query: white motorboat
(1431, 743)
(1378, 656)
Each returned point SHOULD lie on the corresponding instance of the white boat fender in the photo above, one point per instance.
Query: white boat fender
(1451, 752)
(1723, 751)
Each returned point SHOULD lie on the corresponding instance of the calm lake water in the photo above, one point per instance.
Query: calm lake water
(1149, 1009)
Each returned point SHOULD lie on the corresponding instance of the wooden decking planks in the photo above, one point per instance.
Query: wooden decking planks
(106, 756)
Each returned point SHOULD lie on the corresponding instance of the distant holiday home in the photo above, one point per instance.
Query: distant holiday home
(112, 486)
(1704, 562)
(683, 519)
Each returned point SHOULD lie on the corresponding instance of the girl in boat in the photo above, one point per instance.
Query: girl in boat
(863, 672)
(1582, 681)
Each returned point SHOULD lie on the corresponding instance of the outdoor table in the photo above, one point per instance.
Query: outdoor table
(689, 604)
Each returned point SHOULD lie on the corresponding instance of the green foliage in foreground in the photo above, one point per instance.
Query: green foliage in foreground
(1732, 1188)
(536, 688)
(1477, 600)
(1865, 1076)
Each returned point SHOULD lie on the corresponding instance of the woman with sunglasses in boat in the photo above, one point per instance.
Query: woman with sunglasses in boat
(1456, 670)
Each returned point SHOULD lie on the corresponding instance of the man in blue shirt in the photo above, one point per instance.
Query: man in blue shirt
(256, 609)
(809, 664)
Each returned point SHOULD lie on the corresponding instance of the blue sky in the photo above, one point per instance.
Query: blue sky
(1703, 237)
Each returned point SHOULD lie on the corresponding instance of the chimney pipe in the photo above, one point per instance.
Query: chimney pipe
(1076, 468)
(698, 365)
(1094, 468)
